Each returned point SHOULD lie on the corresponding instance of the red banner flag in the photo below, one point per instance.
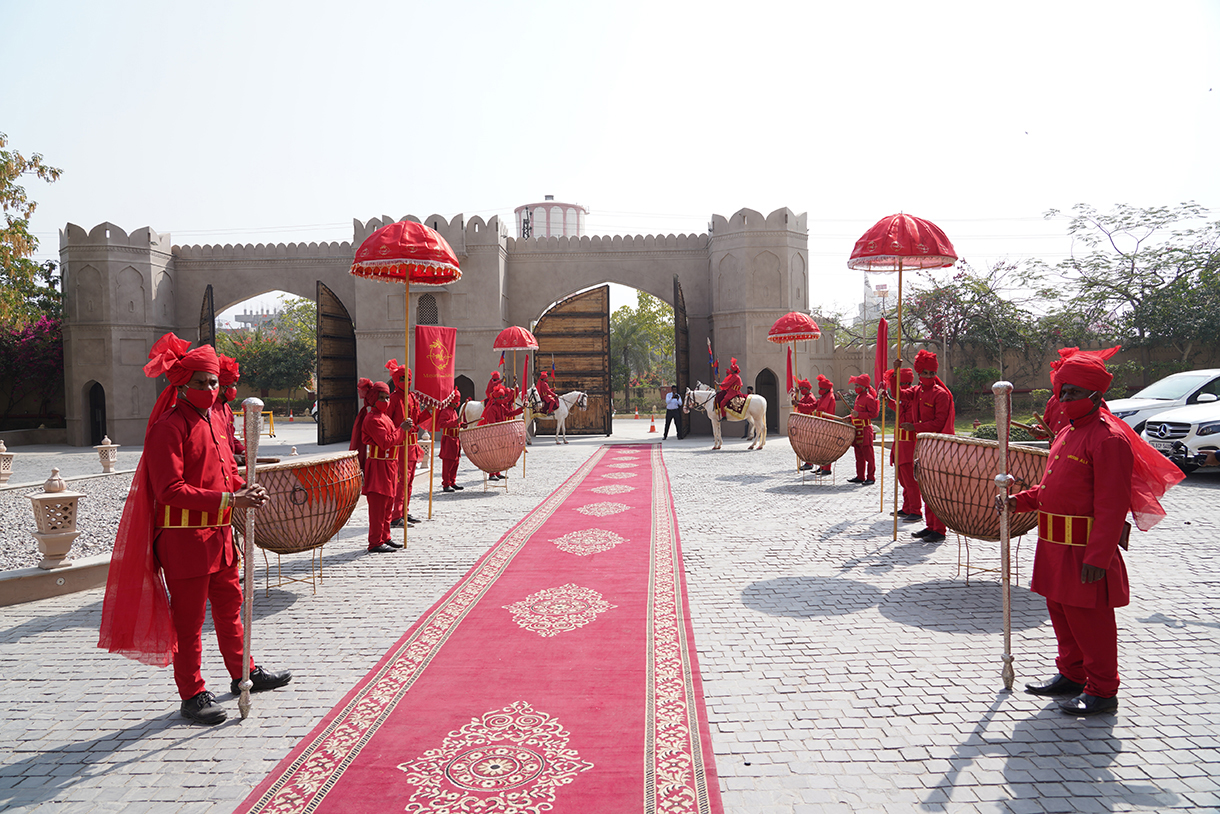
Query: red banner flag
(434, 364)
(525, 378)
(791, 383)
(881, 359)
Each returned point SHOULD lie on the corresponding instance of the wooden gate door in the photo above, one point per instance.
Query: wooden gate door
(207, 320)
(681, 348)
(337, 398)
(576, 334)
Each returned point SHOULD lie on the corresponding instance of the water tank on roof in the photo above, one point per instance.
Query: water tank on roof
(550, 218)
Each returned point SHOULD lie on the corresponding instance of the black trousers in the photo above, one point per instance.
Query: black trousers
(675, 417)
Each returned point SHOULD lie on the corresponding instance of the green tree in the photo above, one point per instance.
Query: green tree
(24, 284)
(641, 345)
(270, 359)
(1145, 277)
(298, 318)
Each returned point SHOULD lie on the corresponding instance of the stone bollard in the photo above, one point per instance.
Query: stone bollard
(294, 451)
(6, 464)
(55, 513)
(108, 453)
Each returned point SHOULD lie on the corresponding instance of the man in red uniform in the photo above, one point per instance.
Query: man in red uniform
(1082, 502)
(230, 373)
(383, 452)
(863, 412)
(730, 388)
(825, 407)
(902, 455)
(550, 401)
(805, 405)
(933, 408)
(195, 486)
(403, 406)
(1052, 417)
(448, 422)
(492, 383)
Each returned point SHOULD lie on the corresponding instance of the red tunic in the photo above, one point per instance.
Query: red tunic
(447, 422)
(826, 405)
(500, 409)
(1088, 475)
(730, 388)
(933, 406)
(904, 451)
(193, 474)
(550, 401)
(238, 447)
(807, 405)
(383, 448)
(867, 408)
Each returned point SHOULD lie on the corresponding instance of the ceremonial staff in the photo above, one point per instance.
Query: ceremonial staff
(253, 409)
(1003, 480)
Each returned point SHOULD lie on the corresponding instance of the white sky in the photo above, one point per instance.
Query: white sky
(240, 122)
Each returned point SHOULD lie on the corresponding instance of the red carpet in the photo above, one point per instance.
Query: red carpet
(558, 675)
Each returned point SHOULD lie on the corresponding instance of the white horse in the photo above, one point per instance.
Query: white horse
(567, 402)
(756, 413)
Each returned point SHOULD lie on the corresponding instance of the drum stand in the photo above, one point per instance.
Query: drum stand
(501, 484)
(963, 545)
(315, 571)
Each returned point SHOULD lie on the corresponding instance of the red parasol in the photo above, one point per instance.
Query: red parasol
(793, 327)
(515, 338)
(406, 252)
(894, 243)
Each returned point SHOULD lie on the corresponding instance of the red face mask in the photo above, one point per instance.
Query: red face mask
(1078, 408)
(200, 399)
(230, 393)
(382, 407)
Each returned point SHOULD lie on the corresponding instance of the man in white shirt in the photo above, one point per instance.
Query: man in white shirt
(673, 412)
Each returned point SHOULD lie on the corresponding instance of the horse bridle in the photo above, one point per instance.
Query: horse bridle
(694, 402)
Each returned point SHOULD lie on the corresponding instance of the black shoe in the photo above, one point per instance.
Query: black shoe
(855, 480)
(867, 482)
(447, 489)
(412, 518)
(922, 533)
(934, 537)
(457, 488)
(384, 548)
(203, 709)
(396, 523)
(911, 518)
(494, 476)
(1055, 685)
(825, 472)
(806, 467)
(394, 544)
(1085, 704)
(262, 680)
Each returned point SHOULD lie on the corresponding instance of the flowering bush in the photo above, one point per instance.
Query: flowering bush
(32, 363)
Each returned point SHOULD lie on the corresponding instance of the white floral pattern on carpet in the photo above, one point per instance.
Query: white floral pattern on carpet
(603, 509)
(588, 541)
(555, 610)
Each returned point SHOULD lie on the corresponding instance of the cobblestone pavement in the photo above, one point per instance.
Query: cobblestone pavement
(843, 671)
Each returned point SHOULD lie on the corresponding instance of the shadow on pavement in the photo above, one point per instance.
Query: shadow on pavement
(952, 606)
(84, 617)
(803, 597)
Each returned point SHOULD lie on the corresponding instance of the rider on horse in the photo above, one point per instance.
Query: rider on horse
(730, 388)
(492, 384)
(550, 401)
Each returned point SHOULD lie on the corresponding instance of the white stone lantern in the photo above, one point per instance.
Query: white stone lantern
(108, 453)
(6, 464)
(55, 514)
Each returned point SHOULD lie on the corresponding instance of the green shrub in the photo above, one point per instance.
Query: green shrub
(988, 431)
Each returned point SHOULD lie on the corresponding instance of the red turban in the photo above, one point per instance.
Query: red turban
(803, 384)
(202, 358)
(824, 383)
(908, 376)
(379, 389)
(926, 360)
(397, 371)
(1083, 370)
(165, 352)
(230, 371)
(863, 380)
(733, 365)
(1067, 353)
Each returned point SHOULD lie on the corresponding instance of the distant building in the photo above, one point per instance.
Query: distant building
(251, 321)
(551, 219)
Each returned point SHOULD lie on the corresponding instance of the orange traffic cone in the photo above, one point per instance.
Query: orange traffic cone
(653, 419)
(637, 412)
(289, 414)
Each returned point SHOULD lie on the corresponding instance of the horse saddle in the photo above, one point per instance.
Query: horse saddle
(736, 406)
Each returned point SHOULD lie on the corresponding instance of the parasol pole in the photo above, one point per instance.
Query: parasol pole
(406, 402)
(1003, 408)
(897, 396)
(431, 461)
(253, 410)
(881, 469)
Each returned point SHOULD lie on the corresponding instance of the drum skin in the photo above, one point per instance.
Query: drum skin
(820, 441)
(956, 476)
(494, 447)
(309, 499)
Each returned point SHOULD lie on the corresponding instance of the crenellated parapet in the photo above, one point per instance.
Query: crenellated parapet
(608, 243)
(454, 231)
(264, 251)
(749, 220)
(107, 235)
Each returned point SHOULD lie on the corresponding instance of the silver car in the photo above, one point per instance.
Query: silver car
(1183, 432)
(1178, 390)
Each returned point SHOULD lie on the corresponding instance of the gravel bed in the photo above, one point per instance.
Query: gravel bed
(99, 509)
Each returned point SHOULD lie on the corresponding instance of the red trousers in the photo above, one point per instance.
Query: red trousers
(931, 520)
(449, 467)
(1088, 647)
(866, 461)
(912, 501)
(380, 509)
(406, 481)
(188, 600)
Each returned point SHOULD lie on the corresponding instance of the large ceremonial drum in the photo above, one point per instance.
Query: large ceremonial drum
(494, 447)
(817, 440)
(310, 499)
(956, 476)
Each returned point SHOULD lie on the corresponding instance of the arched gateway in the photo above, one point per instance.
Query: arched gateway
(124, 290)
